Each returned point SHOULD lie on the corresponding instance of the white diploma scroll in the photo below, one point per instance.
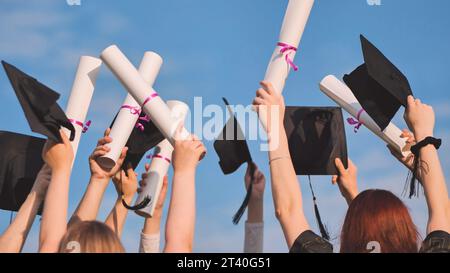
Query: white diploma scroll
(144, 94)
(343, 96)
(130, 111)
(159, 166)
(81, 95)
(294, 24)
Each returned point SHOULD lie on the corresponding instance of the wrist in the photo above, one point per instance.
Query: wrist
(99, 179)
(419, 136)
(184, 171)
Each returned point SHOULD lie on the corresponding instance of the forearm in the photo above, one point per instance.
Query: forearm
(150, 236)
(181, 217)
(13, 239)
(286, 190)
(255, 210)
(153, 225)
(89, 205)
(435, 189)
(54, 217)
(118, 215)
(254, 227)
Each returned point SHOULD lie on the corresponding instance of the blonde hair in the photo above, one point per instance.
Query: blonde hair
(90, 237)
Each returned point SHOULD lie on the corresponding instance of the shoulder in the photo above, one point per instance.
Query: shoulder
(309, 242)
(436, 242)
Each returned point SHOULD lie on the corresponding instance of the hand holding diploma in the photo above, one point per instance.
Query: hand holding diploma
(282, 59)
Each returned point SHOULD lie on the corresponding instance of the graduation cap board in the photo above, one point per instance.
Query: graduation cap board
(232, 149)
(144, 137)
(316, 137)
(39, 105)
(20, 163)
(380, 87)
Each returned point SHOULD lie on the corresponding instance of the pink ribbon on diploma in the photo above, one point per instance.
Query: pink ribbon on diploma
(134, 110)
(358, 122)
(160, 157)
(84, 126)
(285, 50)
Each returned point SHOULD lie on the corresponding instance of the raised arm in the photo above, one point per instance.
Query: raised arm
(254, 227)
(89, 205)
(126, 187)
(151, 233)
(287, 196)
(181, 217)
(420, 119)
(54, 217)
(13, 239)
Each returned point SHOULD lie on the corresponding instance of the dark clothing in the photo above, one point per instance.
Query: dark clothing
(436, 242)
(309, 242)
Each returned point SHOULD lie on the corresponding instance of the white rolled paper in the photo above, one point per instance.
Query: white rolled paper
(127, 117)
(294, 23)
(343, 96)
(159, 166)
(144, 94)
(81, 96)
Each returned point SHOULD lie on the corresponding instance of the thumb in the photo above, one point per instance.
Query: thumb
(334, 179)
(339, 165)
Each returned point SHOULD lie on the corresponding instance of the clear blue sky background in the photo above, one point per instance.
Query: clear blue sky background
(215, 48)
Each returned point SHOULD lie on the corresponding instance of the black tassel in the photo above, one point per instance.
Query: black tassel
(139, 206)
(322, 228)
(412, 180)
(237, 217)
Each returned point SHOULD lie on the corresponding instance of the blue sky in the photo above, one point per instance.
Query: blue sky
(215, 48)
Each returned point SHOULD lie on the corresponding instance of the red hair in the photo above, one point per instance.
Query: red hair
(381, 217)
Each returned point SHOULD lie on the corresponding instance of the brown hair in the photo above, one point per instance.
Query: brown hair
(381, 217)
(90, 237)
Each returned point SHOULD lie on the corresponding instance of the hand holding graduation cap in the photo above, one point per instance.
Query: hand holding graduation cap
(258, 183)
(346, 180)
(58, 156)
(126, 183)
(101, 149)
(420, 118)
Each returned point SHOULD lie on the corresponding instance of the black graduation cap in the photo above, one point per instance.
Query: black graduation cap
(379, 86)
(144, 137)
(20, 163)
(232, 149)
(316, 137)
(39, 105)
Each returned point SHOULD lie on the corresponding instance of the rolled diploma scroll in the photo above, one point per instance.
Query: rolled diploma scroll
(155, 107)
(160, 164)
(126, 120)
(294, 24)
(343, 96)
(81, 95)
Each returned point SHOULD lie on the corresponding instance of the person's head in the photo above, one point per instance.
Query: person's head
(90, 237)
(377, 220)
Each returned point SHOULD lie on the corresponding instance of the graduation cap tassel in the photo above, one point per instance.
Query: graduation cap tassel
(237, 217)
(322, 228)
(139, 206)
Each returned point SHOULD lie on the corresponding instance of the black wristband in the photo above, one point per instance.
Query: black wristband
(436, 142)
